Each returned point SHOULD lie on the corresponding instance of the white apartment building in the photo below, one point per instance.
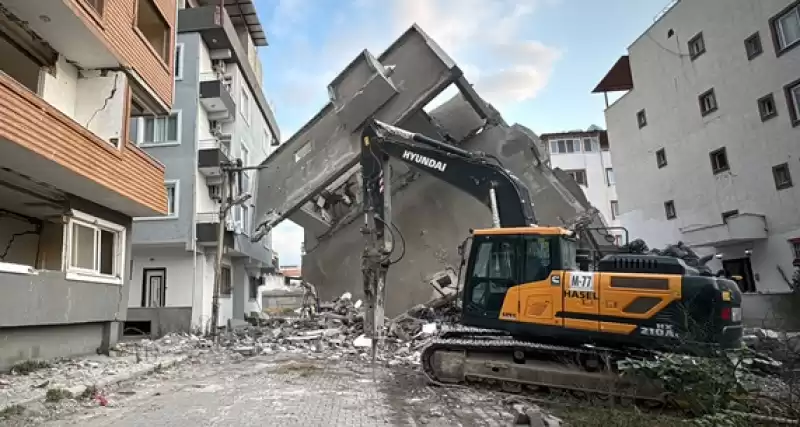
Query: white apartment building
(585, 155)
(707, 137)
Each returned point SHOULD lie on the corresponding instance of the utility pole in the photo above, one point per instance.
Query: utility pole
(230, 170)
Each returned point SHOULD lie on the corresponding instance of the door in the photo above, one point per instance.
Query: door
(493, 272)
(154, 287)
(540, 292)
(741, 267)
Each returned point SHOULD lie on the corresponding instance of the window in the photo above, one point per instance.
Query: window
(786, 28)
(587, 145)
(153, 28)
(244, 108)
(494, 270)
(267, 139)
(614, 209)
(172, 198)
(255, 282)
(572, 146)
(661, 158)
(795, 248)
(708, 102)
(752, 45)
(610, 176)
(783, 179)
(719, 161)
(538, 259)
(179, 61)
(579, 175)
(97, 5)
(160, 130)
(246, 220)
(669, 209)
(728, 214)
(697, 46)
(766, 107)
(96, 249)
(225, 282)
(302, 151)
(793, 101)
(641, 119)
(227, 82)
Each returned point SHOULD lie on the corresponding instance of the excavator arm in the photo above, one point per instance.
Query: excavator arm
(481, 176)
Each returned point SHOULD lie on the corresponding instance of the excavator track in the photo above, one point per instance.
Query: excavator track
(465, 356)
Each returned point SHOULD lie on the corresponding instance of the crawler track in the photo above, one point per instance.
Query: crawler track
(472, 355)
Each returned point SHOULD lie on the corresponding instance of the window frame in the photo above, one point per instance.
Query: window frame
(792, 102)
(764, 115)
(669, 209)
(225, 289)
(610, 179)
(710, 95)
(175, 183)
(754, 38)
(661, 154)
(782, 185)
(727, 166)
(253, 296)
(96, 6)
(244, 103)
(774, 23)
(614, 207)
(693, 41)
(177, 71)
(140, 131)
(98, 224)
(166, 56)
(585, 182)
(641, 118)
(794, 245)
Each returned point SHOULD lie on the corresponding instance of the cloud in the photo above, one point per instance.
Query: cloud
(489, 39)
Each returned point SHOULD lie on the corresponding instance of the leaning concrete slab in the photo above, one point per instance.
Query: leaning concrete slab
(400, 82)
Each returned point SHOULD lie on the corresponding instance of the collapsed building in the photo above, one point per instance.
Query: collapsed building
(313, 179)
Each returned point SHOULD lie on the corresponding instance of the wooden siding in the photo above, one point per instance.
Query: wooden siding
(116, 27)
(29, 121)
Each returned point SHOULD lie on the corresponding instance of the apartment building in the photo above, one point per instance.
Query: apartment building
(706, 137)
(72, 74)
(220, 115)
(585, 156)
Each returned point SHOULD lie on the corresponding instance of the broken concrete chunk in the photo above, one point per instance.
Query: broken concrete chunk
(362, 341)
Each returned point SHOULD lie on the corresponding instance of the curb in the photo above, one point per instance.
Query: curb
(146, 368)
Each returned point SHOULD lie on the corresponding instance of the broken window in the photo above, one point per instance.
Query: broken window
(661, 158)
(752, 46)
(782, 176)
(669, 209)
(153, 27)
(579, 175)
(697, 46)
(641, 119)
(708, 102)
(719, 161)
(225, 282)
(766, 107)
(160, 130)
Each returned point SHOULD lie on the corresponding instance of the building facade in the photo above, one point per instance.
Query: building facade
(220, 115)
(706, 137)
(585, 156)
(74, 73)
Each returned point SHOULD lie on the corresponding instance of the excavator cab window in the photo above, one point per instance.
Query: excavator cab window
(538, 258)
(493, 269)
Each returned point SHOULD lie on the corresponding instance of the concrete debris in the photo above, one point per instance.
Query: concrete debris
(528, 414)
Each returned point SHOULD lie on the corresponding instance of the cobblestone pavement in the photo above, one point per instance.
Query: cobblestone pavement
(267, 392)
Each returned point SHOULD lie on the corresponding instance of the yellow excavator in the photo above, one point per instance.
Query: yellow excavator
(534, 311)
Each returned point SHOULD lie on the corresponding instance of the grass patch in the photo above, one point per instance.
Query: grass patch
(610, 417)
(28, 366)
(11, 411)
(57, 394)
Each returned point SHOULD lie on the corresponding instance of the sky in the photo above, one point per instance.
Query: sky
(537, 61)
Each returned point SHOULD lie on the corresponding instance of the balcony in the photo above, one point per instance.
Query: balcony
(737, 229)
(212, 153)
(216, 100)
(207, 233)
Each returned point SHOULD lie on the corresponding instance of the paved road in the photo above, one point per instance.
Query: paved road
(263, 392)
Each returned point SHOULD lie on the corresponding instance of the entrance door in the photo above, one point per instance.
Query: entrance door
(154, 287)
(741, 267)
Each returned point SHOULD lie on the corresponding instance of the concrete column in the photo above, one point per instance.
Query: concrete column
(239, 288)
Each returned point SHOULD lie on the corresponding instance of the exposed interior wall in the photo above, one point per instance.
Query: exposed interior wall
(61, 88)
(23, 248)
(51, 246)
(17, 65)
(100, 103)
(48, 342)
(207, 269)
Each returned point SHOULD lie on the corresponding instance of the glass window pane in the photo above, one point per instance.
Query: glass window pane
(170, 199)
(149, 130)
(587, 145)
(562, 147)
(554, 146)
(570, 147)
(107, 252)
(789, 26)
(172, 128)
(83, 246)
